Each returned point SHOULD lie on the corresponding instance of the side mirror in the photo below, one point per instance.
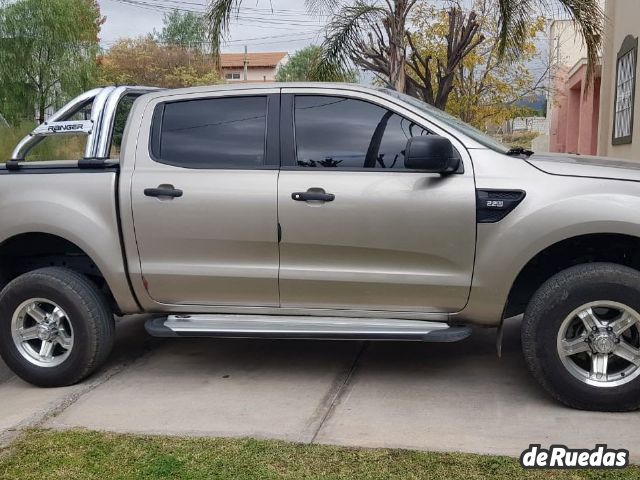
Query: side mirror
(431, 153)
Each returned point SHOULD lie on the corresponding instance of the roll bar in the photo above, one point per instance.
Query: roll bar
(99, 128)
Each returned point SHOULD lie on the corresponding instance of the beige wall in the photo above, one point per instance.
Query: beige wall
(256, 74)
(566, 46)
(622, 20)
(253, 74)
(566, 49)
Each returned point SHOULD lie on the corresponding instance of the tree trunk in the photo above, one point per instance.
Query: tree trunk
(444, 90)
(42, 106)
(397, 48)
(396, 62)
(462, 38)
(399, 78)
(396, 72)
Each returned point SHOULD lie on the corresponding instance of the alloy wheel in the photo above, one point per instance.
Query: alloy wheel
(599, 343)
(42, 332)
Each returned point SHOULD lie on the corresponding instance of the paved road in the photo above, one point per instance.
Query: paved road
(449, 397)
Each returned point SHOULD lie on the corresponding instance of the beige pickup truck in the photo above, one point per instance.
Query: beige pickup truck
(316, 211)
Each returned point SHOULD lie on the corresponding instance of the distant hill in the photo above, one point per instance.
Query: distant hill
(537, 103)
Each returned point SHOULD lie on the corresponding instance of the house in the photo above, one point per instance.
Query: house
(619, 125)
(598, 118)
(260, 66)
(573, 105)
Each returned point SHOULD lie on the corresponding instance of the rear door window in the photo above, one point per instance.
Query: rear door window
(225, 133)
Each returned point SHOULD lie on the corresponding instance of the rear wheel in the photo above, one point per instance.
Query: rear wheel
(55, 327)
(581, 337)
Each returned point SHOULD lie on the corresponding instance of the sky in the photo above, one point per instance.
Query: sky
(288, 28)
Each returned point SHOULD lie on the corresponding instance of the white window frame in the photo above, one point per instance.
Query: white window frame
(624, 100)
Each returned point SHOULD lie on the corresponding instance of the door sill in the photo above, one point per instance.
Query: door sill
(304, 327)
(296, 311)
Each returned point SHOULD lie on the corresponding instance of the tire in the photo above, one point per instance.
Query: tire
(78, 327)
(3, 282)
(556, 323)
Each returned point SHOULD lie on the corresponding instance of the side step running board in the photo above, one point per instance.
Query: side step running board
(307, 327)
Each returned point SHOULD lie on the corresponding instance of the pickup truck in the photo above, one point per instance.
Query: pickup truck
(316, 211)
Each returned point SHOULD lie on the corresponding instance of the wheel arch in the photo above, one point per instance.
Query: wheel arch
(618, 248)
(30, 250)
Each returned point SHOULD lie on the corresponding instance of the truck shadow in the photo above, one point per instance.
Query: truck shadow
(461, 366)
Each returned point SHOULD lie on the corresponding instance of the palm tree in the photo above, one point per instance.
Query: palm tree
(515, 15)
(373, 34)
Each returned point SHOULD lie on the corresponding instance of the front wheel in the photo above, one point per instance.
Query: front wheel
(55, 327)
(581, 337)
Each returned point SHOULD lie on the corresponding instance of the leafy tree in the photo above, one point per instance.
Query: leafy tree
(484, 90)
(184, 29)
(374, 35)
(403, 68)
(47, 54)
(143, 61)
(303, 67)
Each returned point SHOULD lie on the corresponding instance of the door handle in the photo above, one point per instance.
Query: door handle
(163, 191)
(313, 195)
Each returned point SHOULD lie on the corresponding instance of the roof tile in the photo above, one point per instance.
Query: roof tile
(256, 59)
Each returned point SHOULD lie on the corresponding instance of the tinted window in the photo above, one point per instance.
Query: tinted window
(334, 132)
(451, 121)
(211, 133)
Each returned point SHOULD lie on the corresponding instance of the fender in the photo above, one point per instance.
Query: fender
(78, 207)
(555, 209)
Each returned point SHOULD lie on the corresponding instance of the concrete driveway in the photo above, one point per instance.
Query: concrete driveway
(447, 397)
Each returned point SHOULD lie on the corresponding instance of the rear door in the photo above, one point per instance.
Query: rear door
(204, 199)
(377, 236)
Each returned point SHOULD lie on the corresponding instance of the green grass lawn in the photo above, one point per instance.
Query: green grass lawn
(80, 454)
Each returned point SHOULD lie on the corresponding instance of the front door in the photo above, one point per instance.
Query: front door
(204, 202)
(359, 231)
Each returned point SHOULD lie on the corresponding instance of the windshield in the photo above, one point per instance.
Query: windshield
(451, 121)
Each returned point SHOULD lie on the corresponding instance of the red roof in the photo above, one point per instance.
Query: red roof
(257, 59)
